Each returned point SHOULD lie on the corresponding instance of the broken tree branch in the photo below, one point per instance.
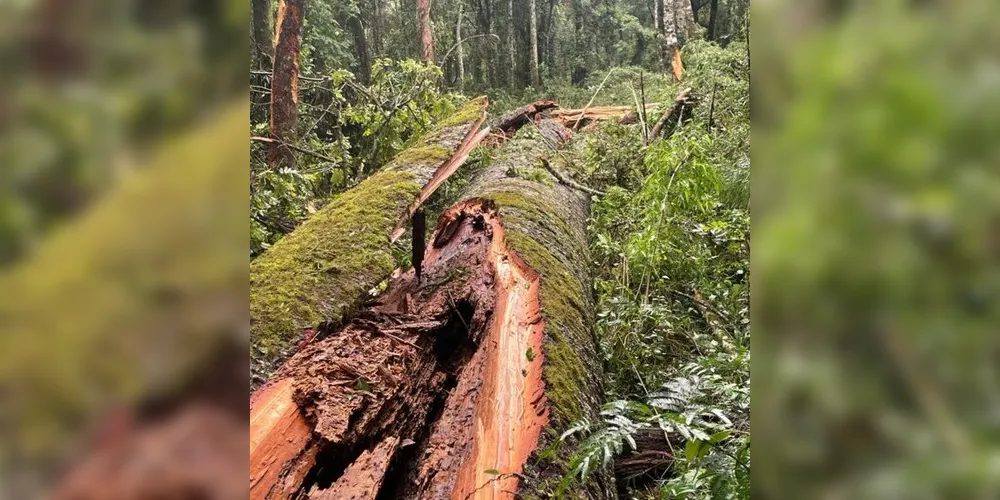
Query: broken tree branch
(567, 181)
(598, 91)
(315, 154)
(676, 111)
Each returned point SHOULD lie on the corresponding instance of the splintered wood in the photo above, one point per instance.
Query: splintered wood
(435, 391)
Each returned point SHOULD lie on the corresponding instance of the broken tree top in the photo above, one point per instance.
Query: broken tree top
(450, 385)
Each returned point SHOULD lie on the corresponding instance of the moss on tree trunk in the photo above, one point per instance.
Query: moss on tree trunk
(321, 271)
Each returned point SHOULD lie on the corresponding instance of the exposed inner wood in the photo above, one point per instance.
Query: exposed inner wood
(279, 436)
(433, 391)
(618, 114)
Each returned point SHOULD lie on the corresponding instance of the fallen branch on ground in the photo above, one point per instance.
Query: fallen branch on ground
(678, 112)
(569, 182)
(315, 154)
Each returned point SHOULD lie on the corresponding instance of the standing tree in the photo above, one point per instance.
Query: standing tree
(685, 18)
(536, 78)
(713, 19)
(461, 52)
(361, 49)
(262, 37)
(285, 82)
(669, 40)
(424, 24)
(510, 43)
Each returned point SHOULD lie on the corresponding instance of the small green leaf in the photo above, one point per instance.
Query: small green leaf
(492, 472)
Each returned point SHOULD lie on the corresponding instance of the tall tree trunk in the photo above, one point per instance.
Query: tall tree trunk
(461, 51)
(658, 16)
(285, 82)
(713, 19)
(426, 34)
(322, 270)
(361, 49)
(536, 76)
(511, 47)
(669, 41)
(685, 19)
(451, 386)
(263, 36)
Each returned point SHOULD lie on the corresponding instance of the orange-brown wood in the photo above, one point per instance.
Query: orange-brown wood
(279, 435)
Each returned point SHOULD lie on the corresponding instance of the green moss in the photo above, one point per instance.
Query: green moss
(424, 155)
(468, 114)
(319, 272)
(563, 308)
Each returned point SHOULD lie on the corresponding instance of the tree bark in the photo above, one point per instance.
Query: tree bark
(685, 19)
(669, 40)
(658, 16)
(285, 83)
(451, 387)
(511, 47)
(316, 276)
(536, 76)
(461, 51)
(361, 49)
(426, 34)
(713, 19)
(263, 36)
(679, 112)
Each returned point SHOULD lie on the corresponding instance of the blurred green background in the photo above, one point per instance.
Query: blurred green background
(123, 163)
(89, 86)
(876, 205)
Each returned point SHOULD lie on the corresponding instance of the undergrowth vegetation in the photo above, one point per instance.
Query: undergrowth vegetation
(671, 243)
(347, 130)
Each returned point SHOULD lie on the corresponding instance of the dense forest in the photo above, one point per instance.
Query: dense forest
(573, 246)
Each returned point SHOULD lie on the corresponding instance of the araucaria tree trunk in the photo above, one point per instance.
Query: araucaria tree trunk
(458, 384)
(316, 276)
(285, 82)
(536, 77)
(686, 23)
(426, 35)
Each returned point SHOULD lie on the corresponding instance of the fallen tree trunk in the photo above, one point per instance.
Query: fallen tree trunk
(511, 122)
(570, 118)
(450, 386)
(319, 273)
(650, 461)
